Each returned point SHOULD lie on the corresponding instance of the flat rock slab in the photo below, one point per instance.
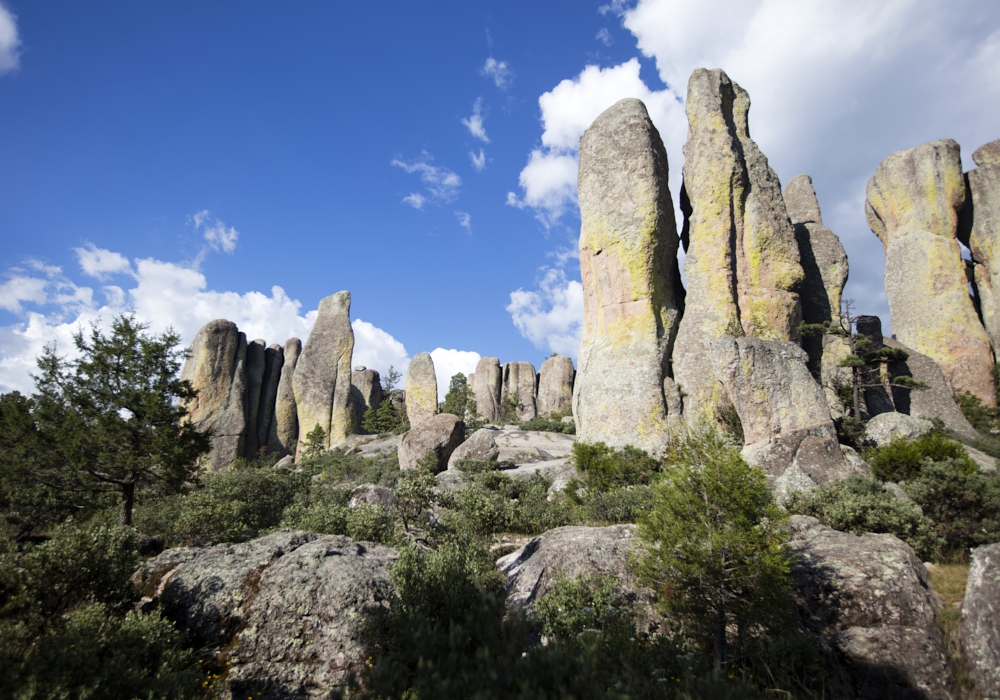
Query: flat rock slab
(526, 446)
(558, 471)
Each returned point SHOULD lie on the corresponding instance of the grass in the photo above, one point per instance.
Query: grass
(949, 582)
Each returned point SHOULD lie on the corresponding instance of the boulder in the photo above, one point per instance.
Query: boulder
(486, 384)
(283, 435)
(886, 427)
(367, 390)
(285, 613)
(526, 446)
(480, 445)
(742, 267)
(980, 630)
(421, 389)
(440, 434)
(373, 495)
(256, 366)
(322, 380)
(913, 202)
(274, 360)
(870, 600)
(558, 471)
(519, 383)
(555, 385)
(786, 423)
(981, 232)
(632, 295)
(216, 367)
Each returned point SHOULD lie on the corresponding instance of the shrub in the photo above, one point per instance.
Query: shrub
(983, 418)
(548, 425)
(861, 504)
(850, 431)
(383, 419)
(476, 466)
(336, 468)
(603, 468)
(493, 502)
(901, 459)
(618, 505)
(572, 608)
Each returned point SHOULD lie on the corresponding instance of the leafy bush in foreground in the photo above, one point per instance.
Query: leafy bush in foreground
(901, 460)
(603, 468)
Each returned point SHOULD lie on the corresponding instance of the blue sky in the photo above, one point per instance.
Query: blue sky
(186, 159)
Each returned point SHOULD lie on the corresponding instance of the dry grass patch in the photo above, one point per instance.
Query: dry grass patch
(949, 582)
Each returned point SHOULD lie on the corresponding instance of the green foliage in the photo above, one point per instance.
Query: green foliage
(508, 409)
(984, 419)
(901, 459)
(603, 468)
(861, 504)
(492, 502)
(414, 494)
(850, 431)
(367, 522)
(729, 419)
(476, 466)
(459, 396)
(574, 610)
(337, 469)
(714, 543)
(548, 425)
(315, 443)
(383, 419)
(390, 379)
(623, 504)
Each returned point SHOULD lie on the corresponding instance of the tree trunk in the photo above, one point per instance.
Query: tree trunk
(128, 502)
(720, 639)
(856, 386)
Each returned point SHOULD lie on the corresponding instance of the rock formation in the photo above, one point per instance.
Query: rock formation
(913, 204)
(786, 422)
(742, 266)
(871, 602)
(286, 611)
(519, 384)
(481, 445)
(216, 367)
(284, 431)
(631, 286)
(322, 381)
(981, 232)
(439, 434)
(421, 389)
(555, 385)
(980, 631)
(255, 378)
(367, 390)
(886, 427)
(486, 384)
(274, 360)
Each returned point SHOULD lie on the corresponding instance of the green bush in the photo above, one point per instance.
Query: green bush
(901, 459)
(850, 431)
(983, 418)
(383, 419)
(572, 608)
(861, 504)
(603, 468)
(476, 466)
(368, 522)
(618, 505)
(493, 502)
(349, 470)
(548, 425)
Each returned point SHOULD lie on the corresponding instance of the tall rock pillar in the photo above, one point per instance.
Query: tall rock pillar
(982, 233)
(486, 384)
(421, 389)
(555, 385)
(519, 382)
(628, 262)
(283, 434)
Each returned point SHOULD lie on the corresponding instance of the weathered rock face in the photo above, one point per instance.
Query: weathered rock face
(742, 266)
(372, 495)
(216, 367)
(519, 383)
(870, 600)
(256, 349)
(440, 434)
(886, 427)
(486, 383)
(421, 389)
(322, 380)
(913, 204)
(786, 423)
(367, 389)
(274, 360)
(285, 611)
(480, 445)
(982, 234)
(631, 286)
(555, 385)
(284, 431)
(980, 631)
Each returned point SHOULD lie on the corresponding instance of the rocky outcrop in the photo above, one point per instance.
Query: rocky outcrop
(555, 385)
(981, 232)
(786, 423)
(632, 295)
(913, 204)
(870, 601)
(421, 389)
(481, 445)
(513, 446)
(256, 350)
(367, 389)
(886, 427)
(519, 386)
(284, 431)
(486, 384)
(372, 495)
(742, 266)
(438, 435)
(216, 367)
(397, 397)
(322, 381)
(274, 360)
(285, 613)
(980, 630)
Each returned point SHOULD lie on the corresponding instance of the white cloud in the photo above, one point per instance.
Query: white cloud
(475, 122)
(499, 72)
(219, 237)
(101, 263)
(442, 184)
(10, 43)
(376, 349)
(464, 220)
(21, 288)
(478, 160)
(551, 317)
(448, 363)
(604, 36)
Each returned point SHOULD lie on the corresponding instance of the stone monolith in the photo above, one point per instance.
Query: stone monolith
(274, 360)
(283, 434)
(632, 294)
(256, 362)
(216, 367)
(913, 204)
(486, 382)
(555, 385)
(742, 266)
(322, 380)
(982, 234)
(421, 389)
(367, 390)
(519, 386)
